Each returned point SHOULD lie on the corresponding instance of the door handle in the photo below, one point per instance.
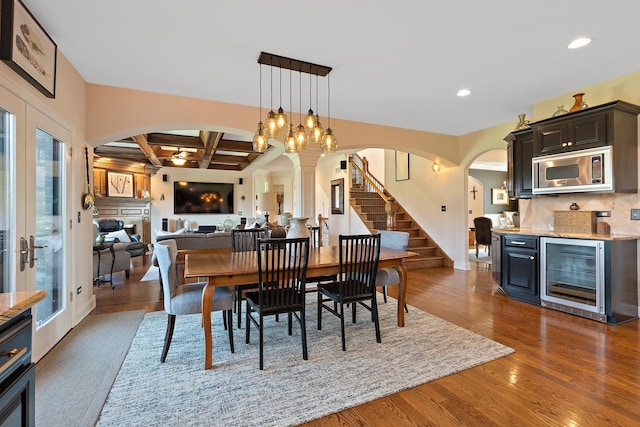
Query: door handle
(24, 253)
(32, 248)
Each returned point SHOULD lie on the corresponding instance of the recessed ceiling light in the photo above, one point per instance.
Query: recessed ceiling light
(580, 42)
(464, 92)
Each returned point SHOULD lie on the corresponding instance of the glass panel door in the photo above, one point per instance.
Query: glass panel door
(6, 136)
(46, 205)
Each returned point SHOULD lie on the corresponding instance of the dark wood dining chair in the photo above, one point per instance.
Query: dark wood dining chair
(282, 271)
(482, 224)
(244, 240)
(186, 298)
(356, 281)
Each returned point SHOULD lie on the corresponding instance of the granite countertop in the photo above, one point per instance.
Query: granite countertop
(547, 233)
(14, 303)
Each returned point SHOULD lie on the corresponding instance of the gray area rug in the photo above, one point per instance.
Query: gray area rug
(290, 390)
(74, 378)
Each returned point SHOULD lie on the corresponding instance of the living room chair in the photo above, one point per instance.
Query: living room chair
(282, 271)
(482, 224)
(390, 276)
(112, 259)
(356, 284)
(114, 232)
(245, 240)
(187, 298)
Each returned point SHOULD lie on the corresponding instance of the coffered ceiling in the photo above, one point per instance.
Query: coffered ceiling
(398, 64)
(183, 148)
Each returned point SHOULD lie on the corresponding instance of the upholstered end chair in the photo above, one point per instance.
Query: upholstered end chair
(113, 230)
(390, 276)
(121, 259)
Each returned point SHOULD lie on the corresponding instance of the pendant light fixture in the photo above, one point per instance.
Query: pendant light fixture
(310, 121)
(260, 142)
(301, 134)
(296, 137)
(317, 132)
(289, 139)
(281, 117)
(329, 142)
(271, 123)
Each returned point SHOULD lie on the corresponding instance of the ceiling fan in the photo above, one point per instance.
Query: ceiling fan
(181, 155)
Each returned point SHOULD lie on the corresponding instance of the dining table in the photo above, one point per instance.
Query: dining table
(238, 268)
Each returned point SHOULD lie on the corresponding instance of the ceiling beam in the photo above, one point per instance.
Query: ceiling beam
(175, 140)
(147, 150)
(210, 140)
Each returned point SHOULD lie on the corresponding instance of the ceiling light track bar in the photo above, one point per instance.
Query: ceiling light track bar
(293, 64)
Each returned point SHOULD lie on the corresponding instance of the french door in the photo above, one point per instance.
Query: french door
(33, 229)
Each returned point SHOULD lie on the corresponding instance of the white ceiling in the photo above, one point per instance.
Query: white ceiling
(394, 63)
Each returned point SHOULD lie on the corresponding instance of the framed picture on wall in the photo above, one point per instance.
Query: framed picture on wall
(119, 184)
(402, 166)
(499, 196)
(27, 48)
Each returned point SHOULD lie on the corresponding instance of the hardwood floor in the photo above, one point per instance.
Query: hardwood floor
(566, 370)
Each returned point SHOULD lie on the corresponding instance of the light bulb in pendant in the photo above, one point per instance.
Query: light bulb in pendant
(260, 141)
(317, 132)
(310, 121)
(290, 141)
(329, 142)
(271, 125)
(301, 137)
(281, 119)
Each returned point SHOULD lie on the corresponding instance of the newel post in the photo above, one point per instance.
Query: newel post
(391, 207)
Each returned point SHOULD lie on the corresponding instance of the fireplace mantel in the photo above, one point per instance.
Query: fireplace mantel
(131, 210)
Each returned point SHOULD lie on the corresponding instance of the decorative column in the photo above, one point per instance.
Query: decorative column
(304, 184)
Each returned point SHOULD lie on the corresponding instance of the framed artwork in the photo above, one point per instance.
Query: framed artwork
(402, 166)
(27, 48)
(119, 184)
(499, 196)
(337, 196)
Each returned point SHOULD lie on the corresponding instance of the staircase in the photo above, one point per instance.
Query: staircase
(370, 201)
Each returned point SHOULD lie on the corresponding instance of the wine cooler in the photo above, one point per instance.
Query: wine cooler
(572, 276)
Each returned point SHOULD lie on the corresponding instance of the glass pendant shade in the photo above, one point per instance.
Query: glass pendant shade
(310, 121)
(271, 125)
(317, 132)
(260, 141)
(290, 145)
(329, 142)
(301, 137)
(281, 119)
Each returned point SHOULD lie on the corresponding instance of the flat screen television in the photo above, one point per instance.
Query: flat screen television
(202, 198)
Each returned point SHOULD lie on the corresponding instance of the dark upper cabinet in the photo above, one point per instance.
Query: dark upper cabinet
(586, 131)
(519, 155)
(614, 124)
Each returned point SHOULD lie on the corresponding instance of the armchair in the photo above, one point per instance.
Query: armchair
(102, 261)
(113, 226)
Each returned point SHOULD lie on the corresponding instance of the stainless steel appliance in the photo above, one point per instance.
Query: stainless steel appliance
(574, 172)
(572, 276)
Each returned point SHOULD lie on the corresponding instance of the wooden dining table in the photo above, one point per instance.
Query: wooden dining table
(239, 268)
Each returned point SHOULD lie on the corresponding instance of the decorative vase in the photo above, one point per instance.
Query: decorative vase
(99, 239)
(179, 224)
(284, 219)
(560, 111)
(577, 105)
(298, 228)
(574, 206)
(522, 122)
(228, 224)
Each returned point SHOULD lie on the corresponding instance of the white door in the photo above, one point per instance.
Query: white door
(35, 231)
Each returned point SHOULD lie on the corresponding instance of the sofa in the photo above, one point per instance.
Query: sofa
(198, 241)
(121, 259)
(114, 232)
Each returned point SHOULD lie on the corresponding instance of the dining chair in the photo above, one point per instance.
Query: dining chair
(356, 281)
(282, 271)
(244, 240)
(482, 224)
(390, 276)
(187, 298)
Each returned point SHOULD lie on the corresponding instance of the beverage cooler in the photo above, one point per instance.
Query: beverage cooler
(572, 276)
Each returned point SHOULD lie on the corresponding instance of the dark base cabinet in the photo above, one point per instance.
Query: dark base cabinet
(520, 266)
(620, 282)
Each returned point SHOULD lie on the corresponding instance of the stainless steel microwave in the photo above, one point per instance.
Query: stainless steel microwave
(574, 172)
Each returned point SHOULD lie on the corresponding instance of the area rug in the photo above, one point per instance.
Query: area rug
(290, 390)
(74, 378)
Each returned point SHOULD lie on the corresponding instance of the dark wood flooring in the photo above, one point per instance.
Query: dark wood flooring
(566, 371)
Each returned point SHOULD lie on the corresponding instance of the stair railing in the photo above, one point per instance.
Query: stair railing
(361, 176)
